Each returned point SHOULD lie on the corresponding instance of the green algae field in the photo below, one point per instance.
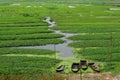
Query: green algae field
(95, 23)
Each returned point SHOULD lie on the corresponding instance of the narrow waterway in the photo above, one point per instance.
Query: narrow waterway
(62, 48)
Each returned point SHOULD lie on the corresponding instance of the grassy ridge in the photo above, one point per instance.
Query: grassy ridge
(26, 61)
(23, 64)
(96, 43)
(30, 36)
(4, 51)
(102, 36)
(101, 53)
(15, 27)
(20, 24)
(34, 42)
(90, 28)
(27, 36)
(24, 31)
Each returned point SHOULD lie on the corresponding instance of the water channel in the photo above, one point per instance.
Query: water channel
(62, 48)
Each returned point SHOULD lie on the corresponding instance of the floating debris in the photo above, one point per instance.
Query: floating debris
(60, 68)
(87, 5)
(106, 17)
(28, 6)
(71, 6)
(94, 67)
(75, 67)
(16, 4)
(40, 6)
(80, 14)
(83, 64)
(114, 9)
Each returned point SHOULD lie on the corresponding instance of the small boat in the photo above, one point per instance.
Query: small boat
(75, 67)
(83, 64)
(60, 68)
(94, 67)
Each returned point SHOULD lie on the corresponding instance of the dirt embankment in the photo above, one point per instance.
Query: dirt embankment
(92, 76)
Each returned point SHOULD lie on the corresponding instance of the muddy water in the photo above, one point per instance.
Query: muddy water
(62, 48)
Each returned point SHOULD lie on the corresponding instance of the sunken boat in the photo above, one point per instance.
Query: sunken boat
(60, 68)
(75, 67)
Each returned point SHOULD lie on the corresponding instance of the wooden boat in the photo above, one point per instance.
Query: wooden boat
(60, 68)
(94, 67)
(83, 64)
(75, 67)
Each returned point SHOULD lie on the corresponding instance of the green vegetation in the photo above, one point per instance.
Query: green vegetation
(90, 28)
(27, 36)
(30, 36)
(34, 42)
(23, 31)
(109, 57)
(27, 62)
(4, 51)
(101, 53)
(96, 25)
(25, 65)
(99, 36)
(96, 43)
(62, 14)
(21, 27)
(99, 43)
(67, 1)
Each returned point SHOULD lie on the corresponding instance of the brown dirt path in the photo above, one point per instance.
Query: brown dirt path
(92, 76)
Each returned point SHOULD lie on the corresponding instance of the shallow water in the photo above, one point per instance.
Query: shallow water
(62, 48)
